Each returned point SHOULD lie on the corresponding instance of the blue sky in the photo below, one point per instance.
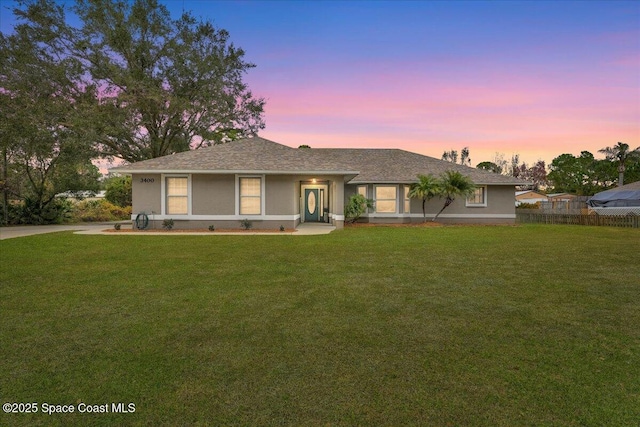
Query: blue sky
(535, 78)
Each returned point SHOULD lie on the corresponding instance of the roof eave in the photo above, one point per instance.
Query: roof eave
(232, 171)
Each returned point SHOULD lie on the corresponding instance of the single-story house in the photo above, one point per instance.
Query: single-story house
(274, 185)
(623, 200)
(530, 196)
(561, 197)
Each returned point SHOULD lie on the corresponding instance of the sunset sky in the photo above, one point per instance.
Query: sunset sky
(535, 78)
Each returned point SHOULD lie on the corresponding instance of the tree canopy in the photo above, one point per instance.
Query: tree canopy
(452, 156)
(583, 175)
(489, 166)
(129, 82)
(43, 152)
(622, 154)
(160, 85)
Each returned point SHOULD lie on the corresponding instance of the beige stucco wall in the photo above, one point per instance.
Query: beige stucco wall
(500, 201)
(530, 196)
(213, 194)
(280, 195)
(146, 193)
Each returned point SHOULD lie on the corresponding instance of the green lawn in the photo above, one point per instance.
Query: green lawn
(480, 326)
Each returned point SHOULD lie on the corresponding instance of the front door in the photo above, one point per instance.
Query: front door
(311, 205)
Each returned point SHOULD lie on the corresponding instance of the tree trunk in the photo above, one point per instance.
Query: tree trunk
(5, 196)
(446, 203)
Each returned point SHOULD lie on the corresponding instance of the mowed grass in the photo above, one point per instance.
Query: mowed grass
(479, 326)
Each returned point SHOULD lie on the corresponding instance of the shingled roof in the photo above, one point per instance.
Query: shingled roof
(259, 155)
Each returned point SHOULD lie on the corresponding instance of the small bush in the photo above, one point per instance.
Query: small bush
(167, 224)
(246, 224)
(528, 206)
(212, 228)
(116, 226)
(356, 207)
(282, 228)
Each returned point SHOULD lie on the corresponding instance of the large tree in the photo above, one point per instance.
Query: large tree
(43, 153)
(537, 174)
(621, 154)
(489, 166)
(582, 175)
(452, 156)
(162, 85)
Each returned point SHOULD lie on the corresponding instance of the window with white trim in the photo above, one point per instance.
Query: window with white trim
(386, 199)
(362, 190)
(478, 198)
(250, 195)
(407, 200)
(177, 192)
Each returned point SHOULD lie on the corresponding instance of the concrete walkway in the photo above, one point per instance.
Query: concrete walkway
(30, 230)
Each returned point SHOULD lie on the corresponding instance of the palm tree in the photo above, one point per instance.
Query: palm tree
(453, 184)
(426, 188)
(620, 153)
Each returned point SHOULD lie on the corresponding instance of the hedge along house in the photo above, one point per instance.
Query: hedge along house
(273, 185)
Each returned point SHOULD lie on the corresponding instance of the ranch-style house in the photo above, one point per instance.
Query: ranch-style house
(274, 185)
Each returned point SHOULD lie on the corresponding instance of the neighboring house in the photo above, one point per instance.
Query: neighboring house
(622, 200)
(530, 196)
(564, 203)
(272, 185)
(561, 197)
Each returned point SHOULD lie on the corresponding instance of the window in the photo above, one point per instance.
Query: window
(362, 190)
(407, 200)
(478, 197)
(386, 198)
(177, 196)
(250, 196)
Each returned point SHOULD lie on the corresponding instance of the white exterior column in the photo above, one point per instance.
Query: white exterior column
(337, 202)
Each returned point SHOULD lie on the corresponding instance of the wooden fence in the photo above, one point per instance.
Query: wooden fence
(575, 206)
(629, 221)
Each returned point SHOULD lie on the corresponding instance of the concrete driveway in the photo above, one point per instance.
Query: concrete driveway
(30, 230)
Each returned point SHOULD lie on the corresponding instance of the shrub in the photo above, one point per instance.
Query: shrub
(118, 191)
(31, 211)
(282, 228)
(100, 210)
(116, 226)
(528, 206)
(212, 228)
(246, 224)
(356, 206)
(167, 224)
